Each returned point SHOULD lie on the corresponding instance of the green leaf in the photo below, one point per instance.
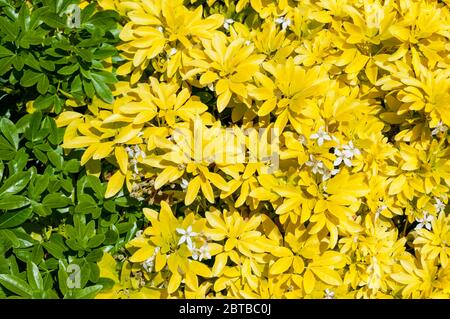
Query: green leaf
(96, 241)
(13, 219)
(43, 102)
(5, 52)
(5, 64)
(9, 130)
(56, 159)
(24, 240)
(43, 84)
(30, 78)
(56, 201)
(34, 276)
(9, 237)
(55, 246)
(69, 69)
(16, 285)
(72, 166)
(55, 21)
(88, 292)
(88, 89)
(102, 89)
(15, 183)
(96, 185)
(14, 202)
(105, 77)
(9, 28)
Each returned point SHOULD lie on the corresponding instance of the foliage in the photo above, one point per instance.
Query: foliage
(246, 149)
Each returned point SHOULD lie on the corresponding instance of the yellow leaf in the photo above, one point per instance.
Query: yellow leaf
(191, 280)
(308, 281)
(169, 174)
(327, 275)
(115, 184)
(288, 205)
(192, 191)
(200, 269)
(223, 100)
(397, 184)
(357, 64)
(219, 264)
(174, 283)
(103, 150)
(88, 153)
(281, 265)
(107, 266)
(142, 254)
(66, 118)
(122, 158)
(403, 278)
(80, 141)
(371, 71)
(160, 262)
(208, 77)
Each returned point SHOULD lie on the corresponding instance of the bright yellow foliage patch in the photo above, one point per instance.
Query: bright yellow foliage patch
(359, 92)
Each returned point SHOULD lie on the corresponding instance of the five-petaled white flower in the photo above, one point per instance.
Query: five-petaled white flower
(285, 23)
(440, 206)
(201, 253)
(186, 237)
(320, 136)
(346, 154)
(327, 174)
(329, 294)
(317, 165)
(440, 128)
(341, 157)
(350, 150)
(227, 23)
(425, 221)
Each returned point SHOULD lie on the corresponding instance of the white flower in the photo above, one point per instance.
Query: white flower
(204, 252)
(211, 87)
(317, 165)
(346, 154)
(329, 294)
(349, 150)
(184, 183)
(201, 253)
(320, 136)
(341, 157)
(425, 221)
(302, 139)
(285, 23)
(440, 128)
(327, 174)
(227, 23)
(186, 236)
(440, 206)
(148, 264)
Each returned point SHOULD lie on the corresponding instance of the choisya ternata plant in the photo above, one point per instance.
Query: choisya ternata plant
(358, 93)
